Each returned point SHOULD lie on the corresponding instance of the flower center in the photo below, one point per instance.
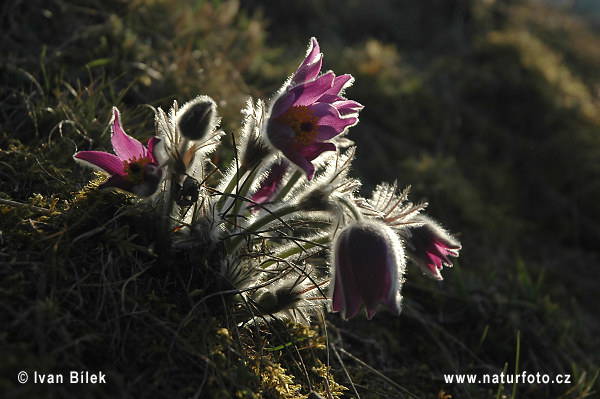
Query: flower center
(303, 121)
(134, 169)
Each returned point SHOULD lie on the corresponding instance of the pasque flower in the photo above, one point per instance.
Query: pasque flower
(368, 263)
(429, 245)
(309, 110)
(133, 169)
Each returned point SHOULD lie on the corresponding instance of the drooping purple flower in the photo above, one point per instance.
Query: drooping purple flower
(133, 169)
(310, 110)
(368, 265)
(429, 246)
(272, 183)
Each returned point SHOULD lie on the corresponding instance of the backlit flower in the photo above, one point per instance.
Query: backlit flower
(429, 245)
(133, 169)
(309, 110)
(368, 265)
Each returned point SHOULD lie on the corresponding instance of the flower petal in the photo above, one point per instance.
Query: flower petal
(347, 107)
(151, 145)
(429, 265)
(300, 161)
(311, 65)
(330, 98)
(352, 299)
(117, 181)
(331, 126)
(283, 103)
(280, 135)
(312, 151)
(312, 54)
(125, 146)
(271, 183)
(442, 253)
(371, 265)
(149, 184)
(394, 300)
(337, 297)
(265, 192)
(109, 163)
(309, 72)
(308, 93)
(340, 83)
(322, 110)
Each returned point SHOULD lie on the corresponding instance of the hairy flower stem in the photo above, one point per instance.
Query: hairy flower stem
(352, 207)
(235, 179)
(288, 187)
(168, 208)
(239, 196)
(177, 176)
(296, 249)
(243, 190)
(234, 242)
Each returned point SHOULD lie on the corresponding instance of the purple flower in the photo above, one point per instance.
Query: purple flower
(429, 245)
(310, 110)
(133, 169)
(272, 183)
(368, 265)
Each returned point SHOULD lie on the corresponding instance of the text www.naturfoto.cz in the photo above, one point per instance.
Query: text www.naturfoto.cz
(521, 378)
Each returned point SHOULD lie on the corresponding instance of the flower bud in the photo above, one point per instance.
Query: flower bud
(294, 297)
(368, 265)
(265, 300)
(271, 185)
(197, 118)
(253, 148)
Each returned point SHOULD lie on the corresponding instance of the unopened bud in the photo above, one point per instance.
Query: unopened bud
(265, 299)
(197, 118)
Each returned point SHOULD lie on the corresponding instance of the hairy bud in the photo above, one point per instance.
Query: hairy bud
(197, 118)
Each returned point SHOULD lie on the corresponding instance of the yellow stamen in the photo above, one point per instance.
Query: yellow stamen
(134, 169)
(303, 121)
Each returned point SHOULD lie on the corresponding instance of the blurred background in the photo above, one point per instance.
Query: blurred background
(489, 109)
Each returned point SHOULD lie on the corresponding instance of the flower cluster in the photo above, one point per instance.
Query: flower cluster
(284, 206)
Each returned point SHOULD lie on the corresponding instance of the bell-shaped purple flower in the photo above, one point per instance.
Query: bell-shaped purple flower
(310, 110)
(429, 245)
(368, 262)
(133, 169)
